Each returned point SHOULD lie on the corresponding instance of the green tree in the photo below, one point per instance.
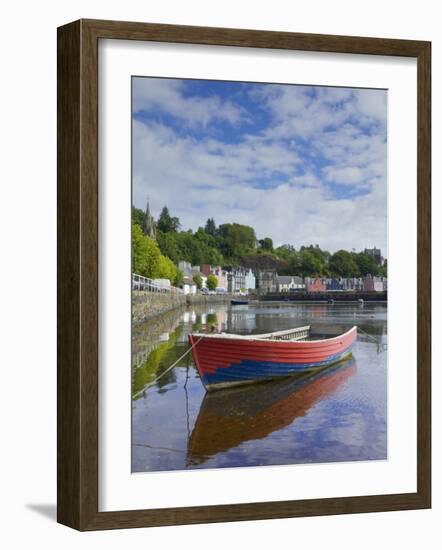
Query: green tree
(310, 264)
(322, 255)
(343, 264)
(212, 282)
(137, 216)
(384, 269)
(210, 227)
(295, 264)
(179, 278)
(285, 251)
(169, 245)
(197, 279)
(166, 223)
(266, 244)
(236, 239)
(366, 264)
(145, 253)
(166, 269)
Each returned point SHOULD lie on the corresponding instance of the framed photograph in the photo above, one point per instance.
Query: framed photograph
(243, 274)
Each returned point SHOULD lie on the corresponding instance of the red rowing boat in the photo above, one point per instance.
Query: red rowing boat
(225, 360)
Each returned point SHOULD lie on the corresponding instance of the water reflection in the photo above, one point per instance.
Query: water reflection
(228, 418)
(339, 414)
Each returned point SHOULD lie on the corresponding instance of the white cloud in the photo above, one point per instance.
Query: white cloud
(165, 95)
(197, 179)
(196, 185)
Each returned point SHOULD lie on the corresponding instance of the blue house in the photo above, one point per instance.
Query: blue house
(334, 284)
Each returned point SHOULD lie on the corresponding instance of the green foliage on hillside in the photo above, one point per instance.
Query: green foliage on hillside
(236, 244)
(147, 259)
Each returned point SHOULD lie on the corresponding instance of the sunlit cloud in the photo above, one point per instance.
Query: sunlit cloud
(300, 164)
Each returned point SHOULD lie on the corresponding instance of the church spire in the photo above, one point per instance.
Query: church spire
(148, 223)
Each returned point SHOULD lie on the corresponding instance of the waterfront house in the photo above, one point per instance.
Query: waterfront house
(267, 281)
(316, 285)
(373, 284)
(353, 284)
(189, 286)
(185, 268)
(250, 283)
(190, 271)
(221, 276)
(236, 279)
(334, 284)
(289, 283)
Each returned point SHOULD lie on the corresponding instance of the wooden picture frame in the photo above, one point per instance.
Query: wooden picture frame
(77, 226)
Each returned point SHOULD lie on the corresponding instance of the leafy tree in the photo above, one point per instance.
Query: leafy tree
(166, 269)
(179, 278)
(310, 264)
(166, 223)
(285, 251)
(137, 216)
(168, 243)
(366, 264)
(295, 264)
(322, 255)
(237, 239)
(212, 282)
(145, 253)
(343, 264)
(198, 280)
(210, 227)
(266, 244)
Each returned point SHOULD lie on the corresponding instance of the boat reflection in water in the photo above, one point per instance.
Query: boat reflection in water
(230, 417)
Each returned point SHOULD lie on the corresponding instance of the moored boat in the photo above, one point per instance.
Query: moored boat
(239, 302)
(225, 360)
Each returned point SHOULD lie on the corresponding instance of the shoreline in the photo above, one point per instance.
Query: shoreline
(149, 305)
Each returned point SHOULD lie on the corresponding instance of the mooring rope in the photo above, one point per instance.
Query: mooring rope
(381, 347)
(167, 370)
(368, 335)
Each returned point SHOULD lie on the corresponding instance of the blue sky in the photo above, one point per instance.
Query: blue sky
(301, 164)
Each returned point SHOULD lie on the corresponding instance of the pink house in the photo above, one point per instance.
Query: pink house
(206, 269)
(373, 284)
(317, 285)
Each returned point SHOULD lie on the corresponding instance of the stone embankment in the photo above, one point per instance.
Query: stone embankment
(147, 305)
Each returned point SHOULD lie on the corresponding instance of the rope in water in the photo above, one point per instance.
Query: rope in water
(373, 338)
(377, 341)
(167, 370)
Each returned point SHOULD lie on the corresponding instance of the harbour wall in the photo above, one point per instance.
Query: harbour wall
(326, 296)
(147, 305)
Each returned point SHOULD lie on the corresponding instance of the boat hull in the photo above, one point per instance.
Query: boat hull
(224, 362)
(239, 302)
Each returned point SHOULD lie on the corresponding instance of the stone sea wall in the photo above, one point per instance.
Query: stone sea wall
(208, 299)
(147, 305)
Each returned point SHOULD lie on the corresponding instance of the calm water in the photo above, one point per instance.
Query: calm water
(337, 415)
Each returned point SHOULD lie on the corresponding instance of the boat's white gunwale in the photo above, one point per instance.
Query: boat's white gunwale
(253, 338)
